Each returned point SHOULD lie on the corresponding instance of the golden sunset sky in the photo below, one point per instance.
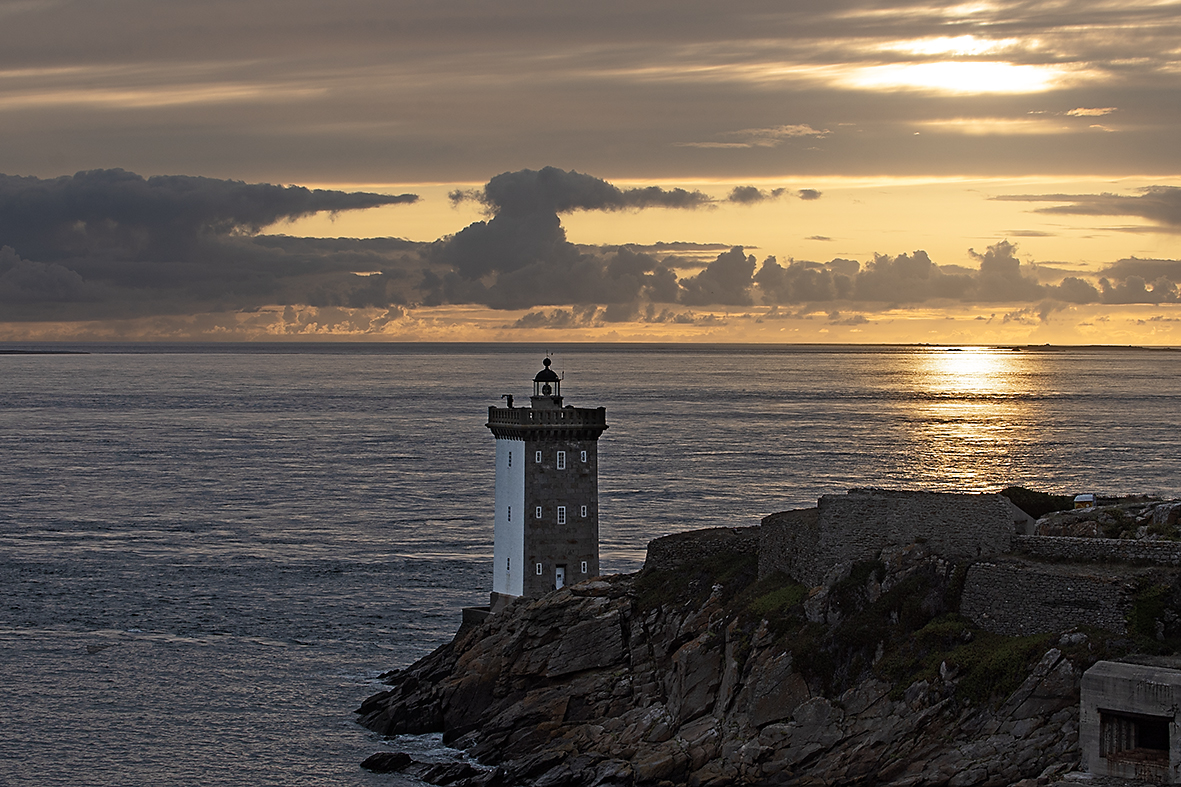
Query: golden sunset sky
(958, 173)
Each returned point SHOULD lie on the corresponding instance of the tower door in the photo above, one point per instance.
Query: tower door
(559, 577)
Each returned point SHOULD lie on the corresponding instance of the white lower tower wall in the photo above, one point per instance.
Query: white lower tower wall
(508, 562)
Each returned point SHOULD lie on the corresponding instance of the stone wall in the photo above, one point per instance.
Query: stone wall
(681, 548)
(783, 537)
(857, 526)
(1100, 550)
(1018, 597)
(547, 541)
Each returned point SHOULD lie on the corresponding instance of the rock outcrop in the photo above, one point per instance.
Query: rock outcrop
(1131, 517)
(705, 675)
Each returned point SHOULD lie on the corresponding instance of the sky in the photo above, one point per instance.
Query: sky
(838, 171)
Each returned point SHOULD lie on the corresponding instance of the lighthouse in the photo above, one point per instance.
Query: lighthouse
(546, 527)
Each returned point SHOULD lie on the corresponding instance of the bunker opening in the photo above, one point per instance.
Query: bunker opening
(1134, 737)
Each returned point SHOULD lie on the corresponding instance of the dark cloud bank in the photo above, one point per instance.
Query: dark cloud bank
(111, 244)
(1159, 204)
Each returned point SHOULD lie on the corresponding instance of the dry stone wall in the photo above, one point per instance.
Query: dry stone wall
(784, 538)
(1100, 550)
(1018, 598)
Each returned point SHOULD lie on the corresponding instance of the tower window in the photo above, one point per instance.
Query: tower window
(508, 565)
(510, 460)
(584, 456)
(510, 513)
(584, 566)
(537, 514)
(561, 460)
(583, 510)
(537, 457)
(561, 515)
(538, 569)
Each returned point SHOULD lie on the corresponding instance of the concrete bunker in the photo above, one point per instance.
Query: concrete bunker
(1129, 725)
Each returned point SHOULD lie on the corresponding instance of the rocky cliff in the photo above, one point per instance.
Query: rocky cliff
(703, 674)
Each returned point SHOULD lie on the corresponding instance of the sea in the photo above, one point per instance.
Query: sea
(209, 553)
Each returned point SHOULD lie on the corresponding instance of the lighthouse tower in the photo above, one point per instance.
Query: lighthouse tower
(547, 492)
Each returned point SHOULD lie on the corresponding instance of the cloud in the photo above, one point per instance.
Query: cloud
(126, 216)
(1001, 278)
(109, 243)
(561, 319)
(1033, 315)
(112, 244)
(802, 281)
(1091, 112)
(760, 137)
(1148, 269)
(518, 261)
(23, 281)
(1134, 289)
(1026, 316)
(592, 317)
(1072, 289)
(1158, 204)
(671, 316)
(520, 257)
(139, 82)
(909, 278)
(323, 320)
(835, 318)
(748, 195)
(725, 281)
(553, 190)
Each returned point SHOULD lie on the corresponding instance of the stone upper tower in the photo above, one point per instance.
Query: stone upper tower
(547, 492)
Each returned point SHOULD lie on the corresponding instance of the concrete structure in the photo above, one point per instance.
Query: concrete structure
(547, 492)
(1128, 722)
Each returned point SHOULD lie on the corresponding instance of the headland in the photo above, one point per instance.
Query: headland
(880, 638)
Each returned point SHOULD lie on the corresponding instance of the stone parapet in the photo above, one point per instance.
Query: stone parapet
(1100, 550)
(529, 423)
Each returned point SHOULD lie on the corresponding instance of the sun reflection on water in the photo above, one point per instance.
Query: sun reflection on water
(971, 405)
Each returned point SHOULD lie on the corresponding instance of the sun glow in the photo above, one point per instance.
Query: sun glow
(959, 46)
(959, 77)
(992, 125)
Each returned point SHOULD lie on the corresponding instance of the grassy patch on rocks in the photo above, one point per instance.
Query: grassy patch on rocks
(1154, 621)
(983, 666)
(782, 600)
